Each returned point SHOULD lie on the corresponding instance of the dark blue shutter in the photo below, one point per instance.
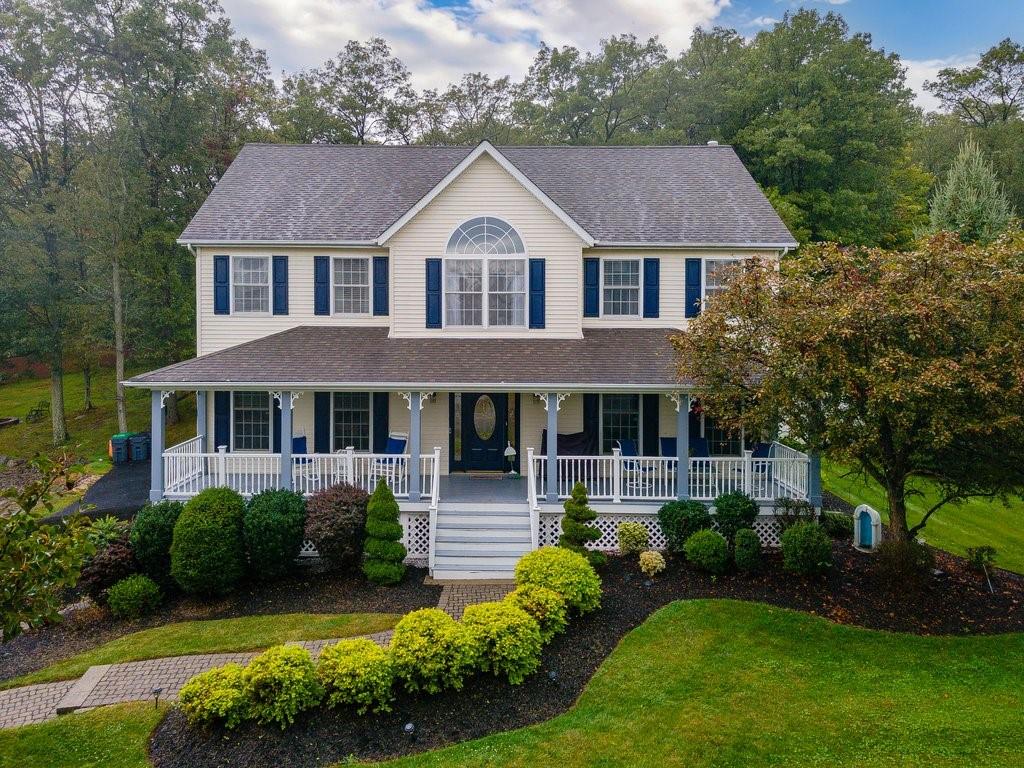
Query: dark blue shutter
(380, 285)
(693, 289)
(591, 287)
(221, 286)
(650, 416)
(280, 285)
(321, 286)
(221, 419)
(380, 421)
(276, 430)
(652, 287)
(433, 293)
(321, 422)
(536, 293)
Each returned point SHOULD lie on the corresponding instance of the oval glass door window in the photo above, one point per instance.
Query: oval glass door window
(484, 418)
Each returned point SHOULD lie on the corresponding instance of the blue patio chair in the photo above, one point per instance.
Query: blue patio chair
(762, 451)
(668, 446)
(635, 475)
(386, 466)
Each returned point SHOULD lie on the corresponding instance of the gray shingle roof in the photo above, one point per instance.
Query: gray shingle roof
(311, 356)
(687, 195)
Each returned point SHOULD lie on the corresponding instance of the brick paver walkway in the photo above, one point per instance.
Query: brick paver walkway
(135, 680)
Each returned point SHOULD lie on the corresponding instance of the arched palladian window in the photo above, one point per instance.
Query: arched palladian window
(485, 275)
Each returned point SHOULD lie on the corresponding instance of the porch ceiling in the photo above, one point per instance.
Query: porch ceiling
(311, 357)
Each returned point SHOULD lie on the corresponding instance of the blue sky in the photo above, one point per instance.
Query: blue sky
(441, 39)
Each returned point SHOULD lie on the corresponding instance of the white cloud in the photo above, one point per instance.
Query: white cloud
(919, 70)
(763, 21)
(439, 44)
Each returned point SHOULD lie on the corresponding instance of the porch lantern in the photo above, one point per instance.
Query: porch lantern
(510, 456)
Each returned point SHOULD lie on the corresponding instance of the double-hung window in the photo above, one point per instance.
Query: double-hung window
(250, 283)
(352, 286)
(620, 287)
(485, 275)
(620, 420)
(716, 275)
(250, 421)
(351, 421)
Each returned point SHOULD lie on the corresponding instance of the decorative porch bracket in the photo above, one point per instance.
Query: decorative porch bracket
(410, 396)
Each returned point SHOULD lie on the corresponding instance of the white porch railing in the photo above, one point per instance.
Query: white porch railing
(531, 498)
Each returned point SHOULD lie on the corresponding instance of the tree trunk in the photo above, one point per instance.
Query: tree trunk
(896, 498)
(122, 413)
(172, 408)
(87, 386)
(60, 426)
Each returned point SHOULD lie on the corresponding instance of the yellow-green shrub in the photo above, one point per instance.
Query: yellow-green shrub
(506, 638)
(633, 538)
(564, 571)
(215, 695)
(431, 651)
(546, 606)
(651, 563)
(357, 673)
(280, 683)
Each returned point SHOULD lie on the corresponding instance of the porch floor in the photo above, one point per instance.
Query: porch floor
(483, 488)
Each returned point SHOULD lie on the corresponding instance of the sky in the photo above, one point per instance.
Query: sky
(439, 40)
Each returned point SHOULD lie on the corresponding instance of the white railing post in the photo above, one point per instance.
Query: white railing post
(222, 459)
(748, 473)
(616, 475)
(350, 466)
(435, 478)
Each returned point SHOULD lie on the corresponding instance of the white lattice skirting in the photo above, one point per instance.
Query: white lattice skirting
(416, 539)
(766, 526)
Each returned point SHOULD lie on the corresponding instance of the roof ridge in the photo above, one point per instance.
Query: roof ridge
(473, 146)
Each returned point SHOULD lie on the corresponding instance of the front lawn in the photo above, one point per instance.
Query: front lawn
(953, 528)
(247, 633)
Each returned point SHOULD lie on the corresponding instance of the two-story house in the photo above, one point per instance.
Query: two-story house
(480, 327)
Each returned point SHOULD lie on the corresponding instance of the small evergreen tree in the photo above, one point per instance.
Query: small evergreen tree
(383, 548)
(575, 529)
(970, 200)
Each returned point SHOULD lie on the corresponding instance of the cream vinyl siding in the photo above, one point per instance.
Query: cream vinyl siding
(672, 283)
(217, 332)
(486, 189)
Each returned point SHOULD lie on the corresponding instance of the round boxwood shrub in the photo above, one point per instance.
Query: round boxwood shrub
(734, 510)
(272, 528)
(563, 571)
(431, 651)
(806, 549)
(207, 553)
(383, 548)
(216, 695)
(747, 550)
(280, 683)
(633, 538)
(506, 638)
(651, 563)
(357, 673)
(546, 606)
(151, 536)
(709, 551)
(837, 525)
(133, 597)
(336, 522)
(679, 520)
(108, 566)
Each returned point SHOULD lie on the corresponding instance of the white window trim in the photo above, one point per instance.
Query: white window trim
(704, 272)
(369, 286)
(270, 284)
(344, 447)
(485, 290)
(640, 289)
(270, 432)
(639, 426)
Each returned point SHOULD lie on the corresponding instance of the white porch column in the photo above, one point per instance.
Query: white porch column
(156, 445)
(552, 446)
(415, 405)
(285, 400)
(201, 419)
(682, 446)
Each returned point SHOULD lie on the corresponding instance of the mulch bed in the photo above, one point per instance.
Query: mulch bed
(955, 603)
(310, 590)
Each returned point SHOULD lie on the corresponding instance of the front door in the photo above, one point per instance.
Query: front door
(483, 431)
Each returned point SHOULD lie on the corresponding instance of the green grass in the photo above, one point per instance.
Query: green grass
(88, 430)
(954, 527)
(247, 633)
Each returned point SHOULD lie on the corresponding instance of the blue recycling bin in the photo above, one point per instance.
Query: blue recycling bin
(119, 449)
(139, 447)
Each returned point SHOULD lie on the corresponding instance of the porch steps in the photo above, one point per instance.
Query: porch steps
(480, 541)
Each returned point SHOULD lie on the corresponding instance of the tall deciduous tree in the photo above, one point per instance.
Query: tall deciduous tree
(907, 365)
(970, 201)
(990, 92)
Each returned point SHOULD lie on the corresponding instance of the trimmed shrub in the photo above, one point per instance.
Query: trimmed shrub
(747, 550)
(431, 651)
(837, 525)
(806, 549)
(562, 571)
(576, 530)
(709, 551)
(905, 563)
(734, 510)
(357, 673)
(280, 683)
(383, 548)
(633, 538)
(107, 567)
(106, 530)
(133, 597)
(336, 524)
(651, 563)
(791, 511)
(216, 695)
(679, 520)
(207, 553)
(506, 639)
(272, 528)
(546, 606)
(151, 536)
